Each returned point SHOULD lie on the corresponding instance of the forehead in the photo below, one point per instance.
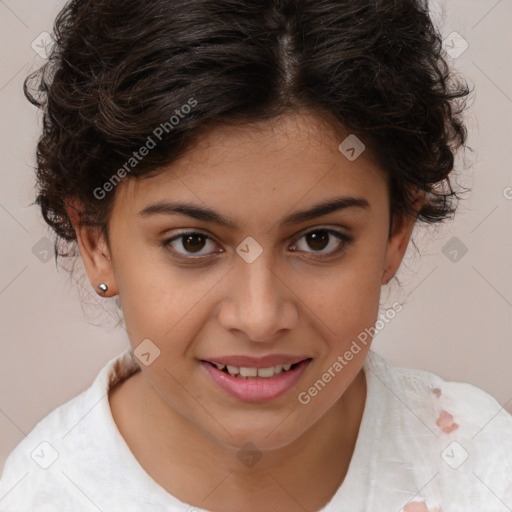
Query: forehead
(285, 160)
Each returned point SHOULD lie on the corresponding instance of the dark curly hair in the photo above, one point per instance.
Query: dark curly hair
(122, 73)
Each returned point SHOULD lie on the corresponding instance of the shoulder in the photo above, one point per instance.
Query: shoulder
(32, 471)
(452, 434)
(39, 474)
(455, 405)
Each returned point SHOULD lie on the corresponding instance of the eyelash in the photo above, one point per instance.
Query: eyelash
(344, 238)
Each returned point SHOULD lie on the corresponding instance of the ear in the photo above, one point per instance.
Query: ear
(399, 240)
(94, 251)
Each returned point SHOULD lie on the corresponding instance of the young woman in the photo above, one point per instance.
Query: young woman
(244, 177)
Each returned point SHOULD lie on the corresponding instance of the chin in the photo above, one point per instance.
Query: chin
(270, 436)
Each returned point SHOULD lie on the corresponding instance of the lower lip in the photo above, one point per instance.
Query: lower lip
(256, 389)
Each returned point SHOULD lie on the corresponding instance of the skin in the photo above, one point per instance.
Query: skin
(183, 429)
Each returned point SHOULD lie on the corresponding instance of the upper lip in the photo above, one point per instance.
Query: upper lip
(257, 362)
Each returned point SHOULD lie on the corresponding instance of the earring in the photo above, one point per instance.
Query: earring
(103, 287)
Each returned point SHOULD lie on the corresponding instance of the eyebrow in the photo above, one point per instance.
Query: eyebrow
(209, 215)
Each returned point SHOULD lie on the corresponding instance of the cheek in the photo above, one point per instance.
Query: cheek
(149, 296)
(161, 301)
(346, 300)
(157, 311)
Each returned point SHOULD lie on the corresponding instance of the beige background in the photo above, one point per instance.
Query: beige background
(457, 317)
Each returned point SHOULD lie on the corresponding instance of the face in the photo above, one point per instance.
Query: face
(265, 282)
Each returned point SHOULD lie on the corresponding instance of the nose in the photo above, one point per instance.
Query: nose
(260, 303)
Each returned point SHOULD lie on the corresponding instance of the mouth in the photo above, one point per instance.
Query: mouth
(252, 373)
(255, 384)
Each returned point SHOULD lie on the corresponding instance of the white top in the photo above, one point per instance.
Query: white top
(424, 445)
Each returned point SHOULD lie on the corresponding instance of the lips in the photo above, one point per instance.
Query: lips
(256, 389)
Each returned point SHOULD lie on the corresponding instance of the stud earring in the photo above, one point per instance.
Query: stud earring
(103, 287)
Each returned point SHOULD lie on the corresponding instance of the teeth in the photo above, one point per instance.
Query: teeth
(244, 372)
(248, 372)
(233, 370)
(266, 372)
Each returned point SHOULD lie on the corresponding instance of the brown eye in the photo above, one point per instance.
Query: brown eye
(320, 239)
(189, 243)
(317, 240)
(194, 242)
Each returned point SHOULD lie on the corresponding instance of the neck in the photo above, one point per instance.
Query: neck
(189, 463)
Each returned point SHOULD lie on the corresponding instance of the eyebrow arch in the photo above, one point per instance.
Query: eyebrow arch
(209, 215)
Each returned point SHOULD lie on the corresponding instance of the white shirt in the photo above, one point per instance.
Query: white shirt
(424, 444)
